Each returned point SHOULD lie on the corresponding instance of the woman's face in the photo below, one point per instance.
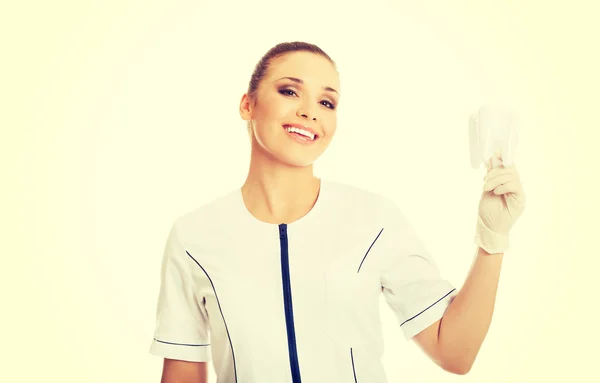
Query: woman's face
(294, 114)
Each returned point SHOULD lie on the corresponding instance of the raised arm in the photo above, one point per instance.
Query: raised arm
(454, 341)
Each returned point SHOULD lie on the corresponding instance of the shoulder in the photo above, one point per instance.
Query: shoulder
(357, 195)
(359, 200)
(208, 218)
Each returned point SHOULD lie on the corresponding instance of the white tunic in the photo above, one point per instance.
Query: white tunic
(296, 302)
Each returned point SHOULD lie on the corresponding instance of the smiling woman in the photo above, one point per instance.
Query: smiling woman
(292, 90)
(280, 280)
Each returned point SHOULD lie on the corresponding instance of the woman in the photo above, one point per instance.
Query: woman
(280, 280)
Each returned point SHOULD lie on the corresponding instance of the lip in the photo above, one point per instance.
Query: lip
(300, 126)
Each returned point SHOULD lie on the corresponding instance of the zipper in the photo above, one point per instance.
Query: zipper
(287, 301)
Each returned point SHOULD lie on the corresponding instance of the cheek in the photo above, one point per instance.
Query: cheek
(330, 126)
(274, 108)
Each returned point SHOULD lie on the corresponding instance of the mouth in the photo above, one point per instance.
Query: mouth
(301, 133)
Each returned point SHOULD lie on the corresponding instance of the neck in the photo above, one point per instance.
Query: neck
(278, 193)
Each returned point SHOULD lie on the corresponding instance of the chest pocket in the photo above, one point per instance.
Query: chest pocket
(352, 311)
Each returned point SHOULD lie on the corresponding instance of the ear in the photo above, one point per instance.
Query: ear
(246, 108)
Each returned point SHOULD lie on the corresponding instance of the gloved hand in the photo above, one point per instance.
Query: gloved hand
(501, 203)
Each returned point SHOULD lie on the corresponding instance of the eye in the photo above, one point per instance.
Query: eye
(328, 104)
(287, 92)
(291, 93)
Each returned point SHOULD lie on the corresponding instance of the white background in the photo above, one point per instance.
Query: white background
(118, 116)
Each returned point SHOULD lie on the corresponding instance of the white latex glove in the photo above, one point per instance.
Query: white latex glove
(501, 203)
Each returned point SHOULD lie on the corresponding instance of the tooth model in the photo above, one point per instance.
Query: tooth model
(493, 128)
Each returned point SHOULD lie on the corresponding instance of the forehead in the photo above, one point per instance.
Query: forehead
(309, 67)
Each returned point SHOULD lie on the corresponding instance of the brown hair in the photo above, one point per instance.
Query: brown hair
(277, 51)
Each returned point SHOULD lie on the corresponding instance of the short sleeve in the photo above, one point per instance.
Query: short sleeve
(412, 285)
(181, 320)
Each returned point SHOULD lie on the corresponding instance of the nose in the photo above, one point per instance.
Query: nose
(306, 112)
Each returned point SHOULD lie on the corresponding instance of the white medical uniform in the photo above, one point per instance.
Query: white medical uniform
(296, 302)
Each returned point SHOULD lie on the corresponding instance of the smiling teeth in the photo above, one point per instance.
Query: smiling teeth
(300, 131)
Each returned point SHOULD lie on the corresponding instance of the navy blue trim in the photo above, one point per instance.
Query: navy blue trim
(181, 344)
(353, 369)
(222, 316)
(287, 300)
(430, 306)
(376, 238)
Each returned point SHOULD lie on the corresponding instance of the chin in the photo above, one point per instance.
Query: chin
(289, 153)
(299, 161)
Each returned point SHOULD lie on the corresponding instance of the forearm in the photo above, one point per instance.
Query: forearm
(467, 320)
(179, 371)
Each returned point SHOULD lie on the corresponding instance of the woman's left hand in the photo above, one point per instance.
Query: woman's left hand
(502, 203)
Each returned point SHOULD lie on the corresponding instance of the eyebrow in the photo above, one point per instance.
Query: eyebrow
(297, 80)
